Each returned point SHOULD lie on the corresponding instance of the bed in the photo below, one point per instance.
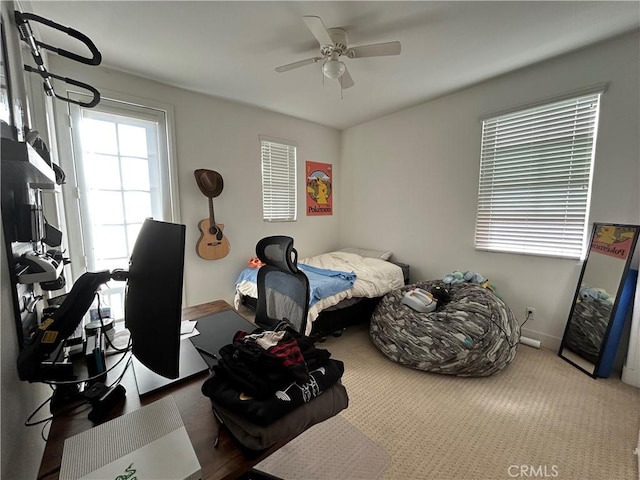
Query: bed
(373, 276)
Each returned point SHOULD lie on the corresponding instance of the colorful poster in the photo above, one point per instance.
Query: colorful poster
(613, 241)
(319, 188)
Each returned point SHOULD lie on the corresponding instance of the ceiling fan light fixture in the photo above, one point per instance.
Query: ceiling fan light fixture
(333, 69)
(334, 43)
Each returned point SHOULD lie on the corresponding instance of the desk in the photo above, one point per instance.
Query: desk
(227, 461)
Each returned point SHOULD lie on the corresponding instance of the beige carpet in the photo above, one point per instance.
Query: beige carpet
(330, 450)
(539, 418)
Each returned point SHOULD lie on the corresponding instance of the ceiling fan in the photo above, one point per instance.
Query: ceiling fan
(334, 43)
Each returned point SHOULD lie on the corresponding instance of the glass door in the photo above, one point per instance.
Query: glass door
(119, 152)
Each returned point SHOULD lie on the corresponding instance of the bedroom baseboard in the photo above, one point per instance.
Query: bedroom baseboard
(546, 341)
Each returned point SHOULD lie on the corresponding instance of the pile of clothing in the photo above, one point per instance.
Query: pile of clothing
(268, 384)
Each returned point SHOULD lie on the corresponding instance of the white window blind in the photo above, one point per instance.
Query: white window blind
(535, 178)
(278, 180)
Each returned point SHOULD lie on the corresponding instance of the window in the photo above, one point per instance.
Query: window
(122, 170)
(535, 178)
(278, 180)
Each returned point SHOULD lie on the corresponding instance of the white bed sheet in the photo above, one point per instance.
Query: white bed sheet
(374, 278)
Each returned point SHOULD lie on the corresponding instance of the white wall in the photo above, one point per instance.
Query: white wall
(223, 136)
(411, 178)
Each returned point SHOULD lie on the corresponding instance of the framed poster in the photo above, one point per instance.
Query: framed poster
(319, 188)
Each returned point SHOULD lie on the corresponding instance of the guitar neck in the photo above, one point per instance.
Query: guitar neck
(212, 217)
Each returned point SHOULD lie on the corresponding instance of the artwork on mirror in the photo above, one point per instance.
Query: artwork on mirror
(602, 298)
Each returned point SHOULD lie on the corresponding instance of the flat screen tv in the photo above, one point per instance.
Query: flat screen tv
(153, 301)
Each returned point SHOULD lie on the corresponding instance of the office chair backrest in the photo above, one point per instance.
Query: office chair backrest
(283, 290)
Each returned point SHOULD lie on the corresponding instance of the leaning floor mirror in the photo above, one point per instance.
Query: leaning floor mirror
(602, 299)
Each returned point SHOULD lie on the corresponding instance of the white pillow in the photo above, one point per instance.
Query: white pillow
(363, 252)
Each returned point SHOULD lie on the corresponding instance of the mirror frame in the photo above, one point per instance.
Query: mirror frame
(616, 303)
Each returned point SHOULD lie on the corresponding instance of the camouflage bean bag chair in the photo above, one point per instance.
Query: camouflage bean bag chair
(587, 328)
(474, 334)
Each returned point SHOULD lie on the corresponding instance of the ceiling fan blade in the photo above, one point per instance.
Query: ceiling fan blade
(345, 79)
(318, 29)
(301, 63)
(375, 50)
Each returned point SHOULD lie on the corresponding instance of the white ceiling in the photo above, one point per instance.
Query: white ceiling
(230, 49)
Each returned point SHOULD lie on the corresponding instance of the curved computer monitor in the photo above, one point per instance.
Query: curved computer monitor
(153, 300)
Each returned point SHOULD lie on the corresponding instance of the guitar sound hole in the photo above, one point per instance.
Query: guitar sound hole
(217, 232)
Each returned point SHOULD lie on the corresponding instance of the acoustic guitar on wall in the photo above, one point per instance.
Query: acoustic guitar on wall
(212, 244)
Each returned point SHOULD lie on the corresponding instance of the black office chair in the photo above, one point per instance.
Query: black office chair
(283, 290)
